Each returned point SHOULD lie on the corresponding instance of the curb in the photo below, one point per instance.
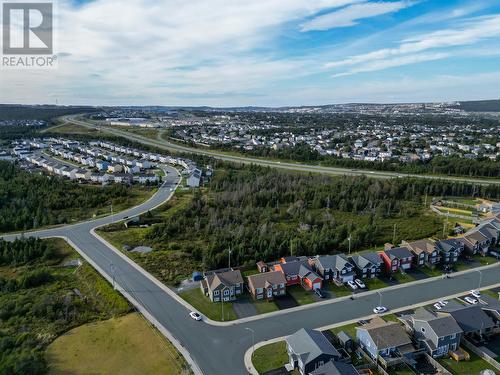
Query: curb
(248, 354)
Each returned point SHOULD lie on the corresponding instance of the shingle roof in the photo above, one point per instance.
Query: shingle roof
(386, 334)
(399, 252)
(448, 245)
(373, 258)
(309, 344)
(441, 324)
(226, 278)
(336, 262)
(422, 246)
(259, 280)
(470, 318)
(292, 268)
(335, 368)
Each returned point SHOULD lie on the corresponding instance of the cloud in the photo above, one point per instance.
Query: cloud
(410, 49)
(349, 15)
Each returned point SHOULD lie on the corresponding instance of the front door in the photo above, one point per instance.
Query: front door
(269, 293)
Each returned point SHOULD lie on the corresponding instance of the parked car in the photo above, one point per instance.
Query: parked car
(494, 254)
(318, 293)
(475, 293)
(380, 309)
(437, 306)
(443, 303)
(470, 300)
(352, 285)
(195, 316)
(360, 284)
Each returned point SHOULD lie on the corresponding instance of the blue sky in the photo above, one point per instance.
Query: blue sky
(267, 52)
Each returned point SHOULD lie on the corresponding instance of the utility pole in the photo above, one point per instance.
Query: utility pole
(349, 239)
(394, 235)
(380, 298)
(222, 302)
(230, 251)
(480, 278)
(445, 224)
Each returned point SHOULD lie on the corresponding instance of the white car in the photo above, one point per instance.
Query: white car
(470, 300)
(352, 285)
(360, 283)
(437, 306)
(475, 293)
(195, 316)
(442, 302)
(380, 309)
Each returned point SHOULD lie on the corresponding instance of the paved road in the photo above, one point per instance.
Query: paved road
(163, 144)
(219, 350)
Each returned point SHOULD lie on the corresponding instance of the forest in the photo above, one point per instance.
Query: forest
(30, 201)
(38, 302)
(38, 112)
(262, 213)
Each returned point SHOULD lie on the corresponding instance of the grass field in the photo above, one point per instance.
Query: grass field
(375, 283)
(403, 277)
(125, 345)
(299, 294)
(208, 308)
(474, 366)
(270, 357)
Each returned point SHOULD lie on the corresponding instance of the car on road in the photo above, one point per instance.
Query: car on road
(318, 293)
(475, 293)
(380, 309)
(352, 285)
(194, 315)
(360, 284)
(470, 300)
(437, 306)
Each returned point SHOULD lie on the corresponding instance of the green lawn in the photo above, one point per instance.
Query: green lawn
(403, 277)
(339, 291)
(265, 306)
(250, 272)
(270, 357)
(208, 308)
(302, 296)
(474, 366)
(350, 329)
(103, 348)
(375, 283)
(432, 272)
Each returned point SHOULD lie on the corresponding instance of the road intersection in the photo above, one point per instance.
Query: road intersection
(215, 348)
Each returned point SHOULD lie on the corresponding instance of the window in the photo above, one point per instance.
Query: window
(226, 292)
(452, 337)
(282, 285)
(422, 329)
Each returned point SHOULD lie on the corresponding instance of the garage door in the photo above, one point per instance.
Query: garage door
(316, 286)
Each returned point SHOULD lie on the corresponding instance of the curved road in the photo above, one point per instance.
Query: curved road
(218, 349)
(163, 144)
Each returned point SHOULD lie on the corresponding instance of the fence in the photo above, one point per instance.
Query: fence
(437, 365)
(481, 354)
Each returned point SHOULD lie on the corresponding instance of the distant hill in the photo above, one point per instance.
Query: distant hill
(480, 106)
(38, 112)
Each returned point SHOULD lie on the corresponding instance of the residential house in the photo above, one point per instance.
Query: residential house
(226, 284)
(335, 368)
(194, 178)
(267, 285)
(386, 340)
(308, 350)
(115, 168)
(309, 279)
(334, 267)
(473, 320)
(449, 250)
(368, 265)
(438, 333)
(290, 270)
(475, 243)
(424, 252)
(397, 258)
(262, 266)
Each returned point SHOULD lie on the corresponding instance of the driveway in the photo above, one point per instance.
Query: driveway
(285, 302)
(244, 308)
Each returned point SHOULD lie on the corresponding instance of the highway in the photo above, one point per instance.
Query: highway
(165, 145)
(218, 349)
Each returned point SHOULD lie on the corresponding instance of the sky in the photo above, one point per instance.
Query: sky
(266, 53)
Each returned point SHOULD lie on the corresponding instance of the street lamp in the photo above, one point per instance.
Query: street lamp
(222, 302)
(253, 338)
(380, 299)
(480, 278)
